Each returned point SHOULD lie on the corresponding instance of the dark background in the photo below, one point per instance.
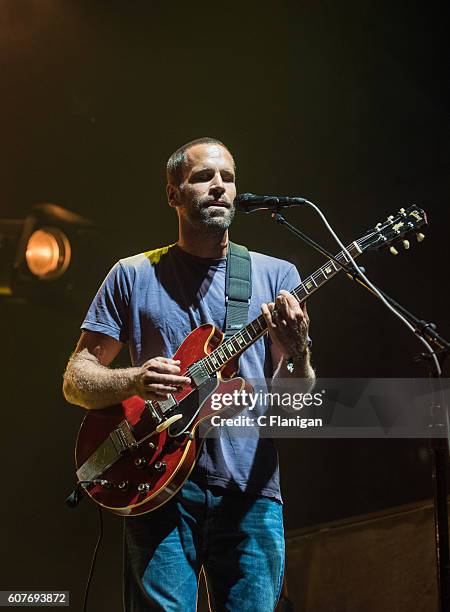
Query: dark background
(344, 103)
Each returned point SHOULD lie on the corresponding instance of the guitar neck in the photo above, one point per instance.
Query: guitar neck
(248, 335)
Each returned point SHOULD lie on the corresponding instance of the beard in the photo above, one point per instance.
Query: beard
(207, 218)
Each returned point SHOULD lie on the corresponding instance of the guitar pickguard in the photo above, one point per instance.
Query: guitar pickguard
(190, 406)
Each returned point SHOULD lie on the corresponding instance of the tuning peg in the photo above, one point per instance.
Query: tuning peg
(393, 250)
(406, 244)
(402, 210)
(390, 217)
(420, 237)
(378, 225)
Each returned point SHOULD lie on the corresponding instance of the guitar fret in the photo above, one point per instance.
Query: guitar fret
(310, 284)
(236, 348)
(240, 339)
(231, 348)
(301, 293)
(318, 279)
(247, 332)
(261, 328)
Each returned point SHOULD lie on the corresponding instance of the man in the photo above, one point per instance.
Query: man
(227, 517)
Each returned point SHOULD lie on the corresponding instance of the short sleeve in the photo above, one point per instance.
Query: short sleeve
(108, 312)
(290, 280)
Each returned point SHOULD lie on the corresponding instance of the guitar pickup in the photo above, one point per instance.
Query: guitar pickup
(166, 405)
(198, 373)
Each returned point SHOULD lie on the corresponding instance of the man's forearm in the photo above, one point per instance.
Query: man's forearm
(91, 385)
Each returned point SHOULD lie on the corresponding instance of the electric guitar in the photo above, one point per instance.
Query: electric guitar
(133, 457)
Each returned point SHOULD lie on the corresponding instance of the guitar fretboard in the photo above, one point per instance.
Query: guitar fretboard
(243, 339)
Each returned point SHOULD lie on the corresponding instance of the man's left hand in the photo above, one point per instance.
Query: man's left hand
(288, 324)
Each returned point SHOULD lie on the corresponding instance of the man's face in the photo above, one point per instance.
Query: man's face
(205, 197)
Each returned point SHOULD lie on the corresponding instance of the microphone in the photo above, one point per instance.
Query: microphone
(248, 202)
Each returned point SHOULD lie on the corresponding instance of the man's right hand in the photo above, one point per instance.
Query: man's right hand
(158, 377)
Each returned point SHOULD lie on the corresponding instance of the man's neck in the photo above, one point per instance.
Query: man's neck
(209, 246)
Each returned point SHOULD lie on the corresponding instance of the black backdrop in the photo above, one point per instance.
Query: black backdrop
(345, 103)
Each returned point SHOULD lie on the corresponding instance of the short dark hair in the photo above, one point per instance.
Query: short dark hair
(177, 160)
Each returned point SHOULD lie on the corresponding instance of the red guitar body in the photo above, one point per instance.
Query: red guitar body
(128, 460)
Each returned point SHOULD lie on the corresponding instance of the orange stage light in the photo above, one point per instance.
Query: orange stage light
(48, 253)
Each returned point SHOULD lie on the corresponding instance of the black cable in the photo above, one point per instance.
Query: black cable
(94, 558)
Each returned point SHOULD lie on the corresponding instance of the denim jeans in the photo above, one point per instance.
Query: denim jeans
(237, 538)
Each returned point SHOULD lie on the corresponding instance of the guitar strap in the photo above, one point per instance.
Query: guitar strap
(238, 288)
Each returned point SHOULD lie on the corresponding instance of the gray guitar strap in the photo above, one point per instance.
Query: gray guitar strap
(238, 288)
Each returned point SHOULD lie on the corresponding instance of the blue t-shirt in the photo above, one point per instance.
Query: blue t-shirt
(153, 300)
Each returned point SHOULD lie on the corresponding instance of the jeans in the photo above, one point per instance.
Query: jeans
(237, 538)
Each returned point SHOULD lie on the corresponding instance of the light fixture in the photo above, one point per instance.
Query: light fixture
(48, 253)
(48, 256)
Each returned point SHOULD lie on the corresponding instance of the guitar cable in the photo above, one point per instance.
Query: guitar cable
(94, 558)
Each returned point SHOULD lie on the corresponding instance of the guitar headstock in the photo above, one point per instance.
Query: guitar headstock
(396, 230)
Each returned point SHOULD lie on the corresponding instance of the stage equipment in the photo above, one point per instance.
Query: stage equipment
(379, 561)
(48, 256)
(133, 457)
(248, 202)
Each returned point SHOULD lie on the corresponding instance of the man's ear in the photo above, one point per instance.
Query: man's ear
(172, 195)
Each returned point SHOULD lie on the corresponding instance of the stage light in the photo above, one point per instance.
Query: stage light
(49, 257)
(48, 253)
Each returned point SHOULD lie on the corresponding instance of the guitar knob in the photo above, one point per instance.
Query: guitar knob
(393, 250)
(160, 466)
(104, 483)
(420, 237)
(143, 487)
(141, 462)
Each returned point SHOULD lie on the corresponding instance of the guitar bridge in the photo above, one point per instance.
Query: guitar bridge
(123, 438)
(167, 405)
(154, 411)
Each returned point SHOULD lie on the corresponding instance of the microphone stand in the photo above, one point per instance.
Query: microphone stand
(438, 446)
